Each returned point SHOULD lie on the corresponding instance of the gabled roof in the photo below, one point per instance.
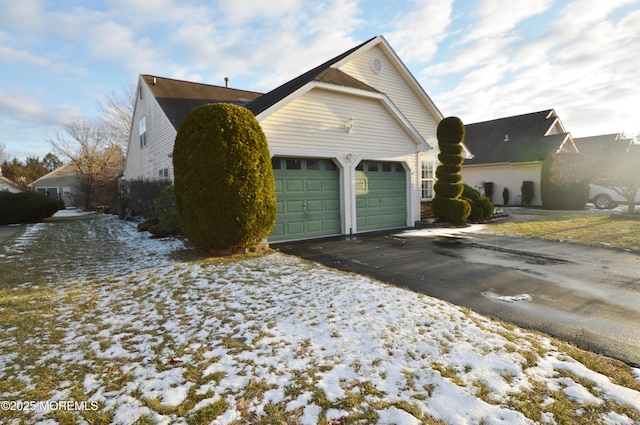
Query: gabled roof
(177, 98)
(602, 145)
(6, 184)
(279, 93)
(520, 138)
(64, 170)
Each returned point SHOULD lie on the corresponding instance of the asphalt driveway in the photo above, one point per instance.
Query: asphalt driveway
(586, 296)
(7, 231)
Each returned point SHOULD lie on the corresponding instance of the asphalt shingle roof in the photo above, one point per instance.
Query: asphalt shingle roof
(519, 138)
(274, 96)
(177, 98)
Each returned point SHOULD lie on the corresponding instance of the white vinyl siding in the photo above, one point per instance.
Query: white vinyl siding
(393, 84)
(510, 176)
(317, 120)
(313, 125)
(147, 162)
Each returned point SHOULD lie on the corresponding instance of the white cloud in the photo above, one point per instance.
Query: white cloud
(497, 17)
(584, 64)
(9, 55)
(239, 12)
(417, 33)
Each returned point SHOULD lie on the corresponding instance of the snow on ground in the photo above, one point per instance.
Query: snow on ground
(147, 335)
(72, 212)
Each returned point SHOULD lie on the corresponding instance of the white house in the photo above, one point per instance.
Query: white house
(347, 139)
(8, 186)
(508, 151)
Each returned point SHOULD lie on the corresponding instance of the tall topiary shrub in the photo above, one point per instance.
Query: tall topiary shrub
(224, 186)
(447, 204)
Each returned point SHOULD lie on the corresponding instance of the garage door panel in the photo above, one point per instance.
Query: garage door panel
(332, 205)
(315, 225)
(295, 228)
(294, 207)
(311, 199)
(314, 206)
(380, 196)
(331, 185)
(313, 185)
(294, 185)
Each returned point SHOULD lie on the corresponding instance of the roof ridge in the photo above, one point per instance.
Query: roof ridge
(272, 97)
(545, 111)
(198, 83)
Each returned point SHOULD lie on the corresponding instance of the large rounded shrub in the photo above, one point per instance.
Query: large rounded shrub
(559, 189)
(224, 186)
(447, 204)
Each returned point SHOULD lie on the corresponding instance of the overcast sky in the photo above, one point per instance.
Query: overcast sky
(478, 60)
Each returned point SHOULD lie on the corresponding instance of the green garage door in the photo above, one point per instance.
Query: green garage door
(308, 198)
(381, 195)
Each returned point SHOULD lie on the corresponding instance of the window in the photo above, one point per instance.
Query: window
(313, 164)
(329, 165)
(427, 178)
(386, 167)
(294, 164)
(66, 191)
(142, 125)
(163, 174)
(275, 163)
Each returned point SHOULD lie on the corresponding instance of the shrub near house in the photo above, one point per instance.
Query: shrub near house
(447, 204)
(26, 207)
(224, 185)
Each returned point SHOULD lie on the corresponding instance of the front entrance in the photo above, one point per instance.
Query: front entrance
(381, 195)
(308, 198)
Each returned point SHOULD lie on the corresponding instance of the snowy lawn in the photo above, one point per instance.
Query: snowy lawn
(143, 331)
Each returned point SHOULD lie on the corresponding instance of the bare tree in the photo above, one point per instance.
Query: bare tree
(621, 172)
(117, 113)
(97, 160)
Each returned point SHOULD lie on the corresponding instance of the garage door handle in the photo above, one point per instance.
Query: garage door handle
(304, 206)
(380, 203)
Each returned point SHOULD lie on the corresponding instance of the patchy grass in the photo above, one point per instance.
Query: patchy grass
(267, 340)
(595, 229)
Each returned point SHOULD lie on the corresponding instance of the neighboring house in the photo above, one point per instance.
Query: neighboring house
(509, 151)
(7, 185)
(347, 139)
(599, 147)
(61, 183)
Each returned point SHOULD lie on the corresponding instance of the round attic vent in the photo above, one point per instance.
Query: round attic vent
(376, 65)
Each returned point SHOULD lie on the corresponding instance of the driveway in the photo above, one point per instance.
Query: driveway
(7, 231)
(583, 295)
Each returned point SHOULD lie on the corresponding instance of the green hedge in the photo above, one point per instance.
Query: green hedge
(26, 207)
(224, 186)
